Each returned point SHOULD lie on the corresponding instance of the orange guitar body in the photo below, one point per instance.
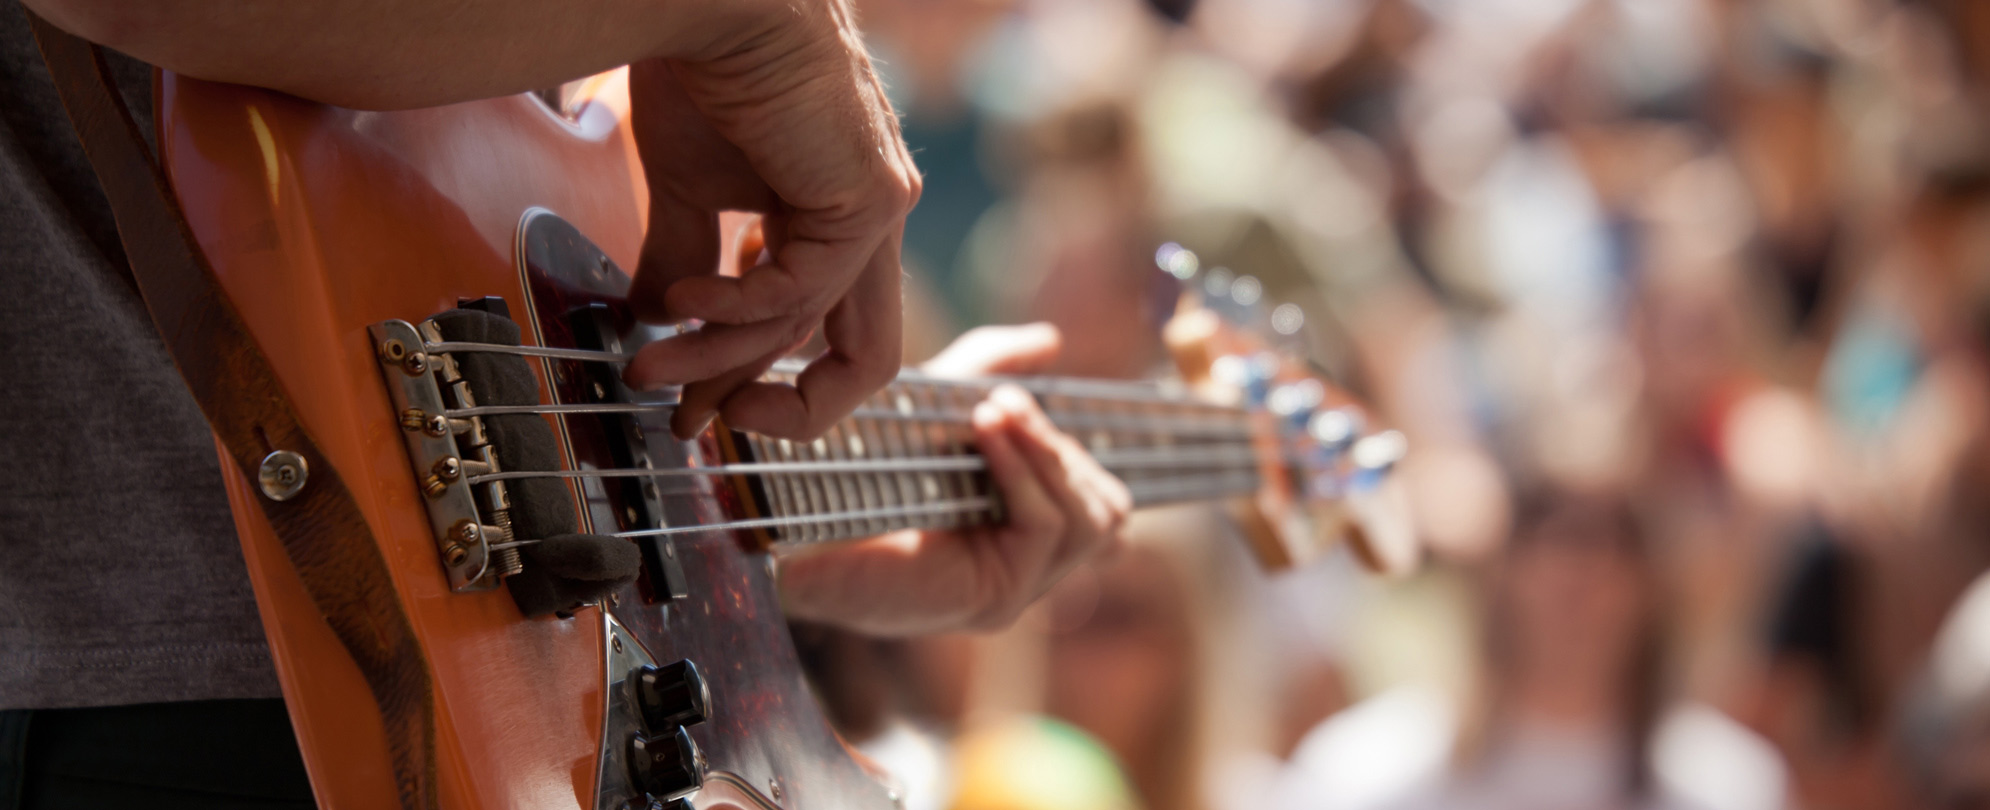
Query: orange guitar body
(332, 231)
(320, 222)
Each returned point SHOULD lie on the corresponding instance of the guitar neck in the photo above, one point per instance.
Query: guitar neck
(906, 459)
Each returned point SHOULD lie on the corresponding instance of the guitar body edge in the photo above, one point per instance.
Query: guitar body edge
(320, 222)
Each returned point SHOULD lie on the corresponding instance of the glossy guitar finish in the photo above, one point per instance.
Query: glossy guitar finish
(332, 231)
(320, 222)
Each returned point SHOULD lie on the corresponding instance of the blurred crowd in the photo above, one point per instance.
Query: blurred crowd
(1684, 306)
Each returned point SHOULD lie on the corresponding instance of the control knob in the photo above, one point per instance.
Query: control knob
(672, 695)
(666, 766)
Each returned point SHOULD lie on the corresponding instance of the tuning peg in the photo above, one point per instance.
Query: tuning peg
(1374, 456)
(1249, 375)
(1296, 402)
(1336, 429)
(1177, 261)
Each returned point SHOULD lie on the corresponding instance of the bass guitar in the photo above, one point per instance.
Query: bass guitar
(489, 576)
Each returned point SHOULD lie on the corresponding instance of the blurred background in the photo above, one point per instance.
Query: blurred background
(1684, 306)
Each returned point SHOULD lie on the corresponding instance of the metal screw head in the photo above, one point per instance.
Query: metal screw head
(448, 468)
(465, 531)
(282, 475)
(416, 364)
(437, 426)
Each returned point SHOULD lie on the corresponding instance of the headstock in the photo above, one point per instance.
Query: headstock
(1325, 461)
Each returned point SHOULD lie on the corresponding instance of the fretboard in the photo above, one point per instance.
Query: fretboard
(906, 458)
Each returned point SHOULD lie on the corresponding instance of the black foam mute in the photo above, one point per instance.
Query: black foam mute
(567, 571)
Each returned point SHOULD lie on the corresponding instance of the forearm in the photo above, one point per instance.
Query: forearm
(387, 54)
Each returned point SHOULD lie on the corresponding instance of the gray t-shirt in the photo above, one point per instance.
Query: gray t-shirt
(121, 580)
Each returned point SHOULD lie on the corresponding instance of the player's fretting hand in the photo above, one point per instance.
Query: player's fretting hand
(1062, 509)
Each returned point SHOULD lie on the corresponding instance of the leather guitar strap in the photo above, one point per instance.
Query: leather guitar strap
(321, 527)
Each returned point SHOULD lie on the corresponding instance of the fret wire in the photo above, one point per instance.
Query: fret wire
(804, 500)
(923, 444)
(832, 481)
(839, 451)
(898, 447)
(780, 499)
(1133, 411)
(874, 447)
(797, 489)
(823, 484)
(958, 441)
(961, 437)
(913, 436)
(933, 439)
(807, 484)
(859, 446)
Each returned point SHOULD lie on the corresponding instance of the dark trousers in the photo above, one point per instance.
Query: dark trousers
(235, 754)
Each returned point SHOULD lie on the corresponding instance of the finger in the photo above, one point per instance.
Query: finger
(1027, 507)
(804, 278)
(846, 187)
(682, 241)
(681, 236)
(1094, 501)
(699, 402)
(710, 351)
(1016, 562)
(863, 335)
(1023, 349)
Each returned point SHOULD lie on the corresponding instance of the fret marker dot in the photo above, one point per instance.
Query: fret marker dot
(820, 447)
(929, 486)
(856, 445)
(905, 405)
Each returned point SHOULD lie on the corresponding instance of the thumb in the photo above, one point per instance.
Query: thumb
(1025, 349)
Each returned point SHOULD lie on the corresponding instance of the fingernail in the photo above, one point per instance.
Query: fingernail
(986, 415)
(1012, 399)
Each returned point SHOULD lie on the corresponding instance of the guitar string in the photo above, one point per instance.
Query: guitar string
(1143, 494)
(1103, 389)
(1130, 459)
(1141, 424)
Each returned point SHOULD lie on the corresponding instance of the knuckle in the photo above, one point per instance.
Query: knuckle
(883, 369)
(896, 189)
(1054, 525)
(1001, 613)
(915, 186)
(794, 333)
